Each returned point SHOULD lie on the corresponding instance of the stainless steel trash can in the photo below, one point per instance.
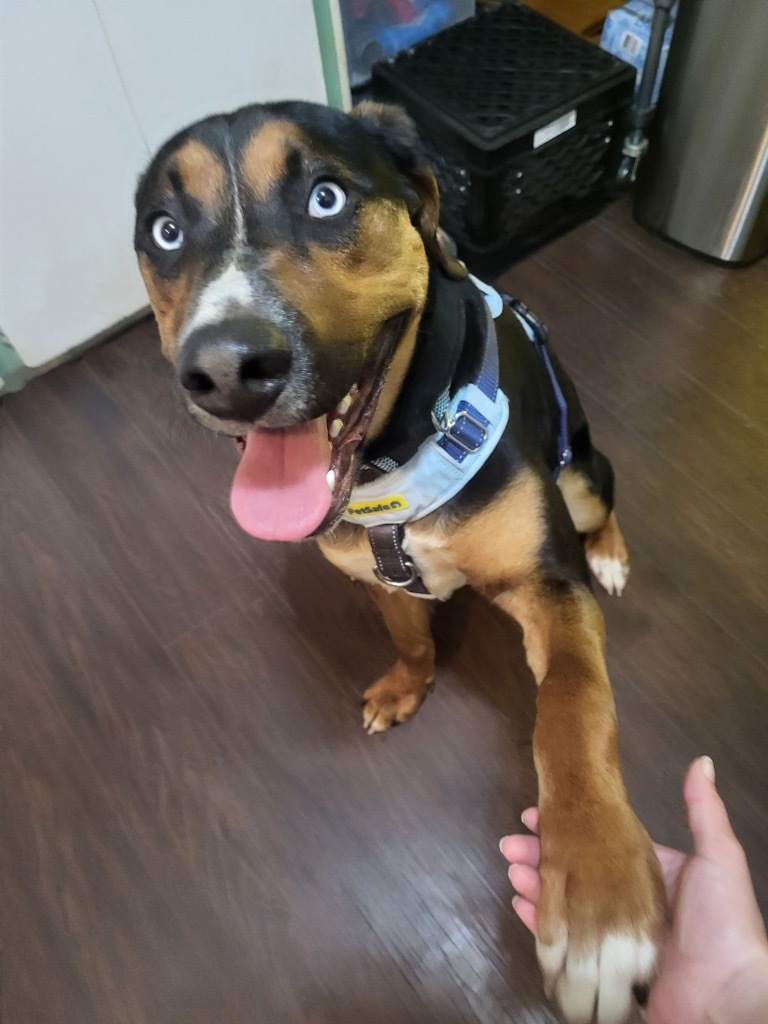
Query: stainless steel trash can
(704, 180)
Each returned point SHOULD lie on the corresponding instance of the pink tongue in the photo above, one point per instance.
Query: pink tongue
(279, 491)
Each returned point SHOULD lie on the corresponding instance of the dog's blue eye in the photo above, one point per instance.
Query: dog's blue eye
(166, 233)
(326, 199)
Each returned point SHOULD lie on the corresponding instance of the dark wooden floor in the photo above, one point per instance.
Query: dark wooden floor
(197, 831)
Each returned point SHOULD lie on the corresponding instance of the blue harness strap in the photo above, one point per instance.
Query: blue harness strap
(539, 335)
(467, 431)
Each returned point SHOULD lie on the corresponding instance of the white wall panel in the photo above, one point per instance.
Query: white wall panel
(89, 88)
(71, 150)
(183, 59)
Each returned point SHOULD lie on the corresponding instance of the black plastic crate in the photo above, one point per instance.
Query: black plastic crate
(523, 122)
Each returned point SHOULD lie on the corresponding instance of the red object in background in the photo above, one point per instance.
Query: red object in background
(401, 10)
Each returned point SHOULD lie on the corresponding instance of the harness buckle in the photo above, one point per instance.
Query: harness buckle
(447, 427)
(412, 577)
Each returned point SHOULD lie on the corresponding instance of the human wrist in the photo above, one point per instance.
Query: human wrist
(745, 998)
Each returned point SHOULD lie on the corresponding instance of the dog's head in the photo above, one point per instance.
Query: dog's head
(286, 251)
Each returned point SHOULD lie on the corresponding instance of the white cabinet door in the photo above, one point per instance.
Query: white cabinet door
(89, 89)
(71, 149)
(183, 59)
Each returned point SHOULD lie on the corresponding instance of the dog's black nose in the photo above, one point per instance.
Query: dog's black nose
(235, 369)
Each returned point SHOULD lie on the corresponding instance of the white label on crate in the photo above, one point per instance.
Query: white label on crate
(631, 44)
(554, 128)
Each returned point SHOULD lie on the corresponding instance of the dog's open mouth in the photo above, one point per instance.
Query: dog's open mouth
(294, 482)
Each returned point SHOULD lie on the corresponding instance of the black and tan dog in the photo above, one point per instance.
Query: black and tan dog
(304, 296)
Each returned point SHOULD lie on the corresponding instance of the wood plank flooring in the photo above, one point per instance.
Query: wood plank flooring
(196, 829)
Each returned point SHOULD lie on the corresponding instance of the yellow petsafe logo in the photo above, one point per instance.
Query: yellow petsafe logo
(392, 503)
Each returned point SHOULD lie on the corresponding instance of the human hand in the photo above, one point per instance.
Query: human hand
(715, 963)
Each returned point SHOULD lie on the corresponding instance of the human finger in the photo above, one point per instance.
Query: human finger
(526, 880)
(707, 816)
(526, 911)
(530, 818)
(520, 849)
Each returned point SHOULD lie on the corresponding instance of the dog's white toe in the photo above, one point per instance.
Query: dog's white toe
(596, 984)
(611, 573)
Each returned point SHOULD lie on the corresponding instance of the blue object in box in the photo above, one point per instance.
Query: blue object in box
(376, 30)
(626, 34)
(433, 17)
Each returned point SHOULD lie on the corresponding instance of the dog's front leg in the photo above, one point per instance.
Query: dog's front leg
(602, 907)
(398, 695)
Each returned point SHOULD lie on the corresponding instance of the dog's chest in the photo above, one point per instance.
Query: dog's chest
(430, 552)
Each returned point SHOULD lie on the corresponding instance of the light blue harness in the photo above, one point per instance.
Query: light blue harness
(468, 428)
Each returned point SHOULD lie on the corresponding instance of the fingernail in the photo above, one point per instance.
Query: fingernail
(501, 842)
(524, 820)
(515, 900)
(708, 768)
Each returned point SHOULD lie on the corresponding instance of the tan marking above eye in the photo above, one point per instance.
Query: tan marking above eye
(263, 159)
(203, 175)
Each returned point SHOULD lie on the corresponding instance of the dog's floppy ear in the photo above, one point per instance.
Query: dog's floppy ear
(396, 133)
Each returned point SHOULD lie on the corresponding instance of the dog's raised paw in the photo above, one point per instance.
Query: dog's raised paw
(601, 914)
